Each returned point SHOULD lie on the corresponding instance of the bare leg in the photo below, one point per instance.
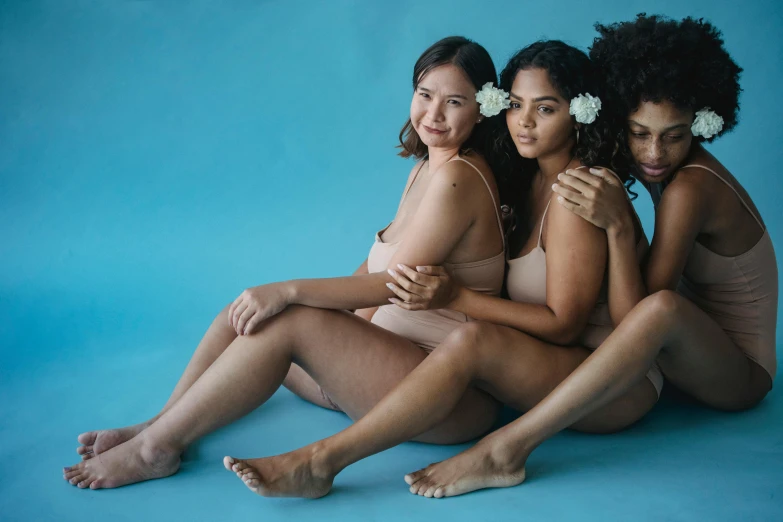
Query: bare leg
(694, 353)
(215, 341)
(356, 362)
(515, 368)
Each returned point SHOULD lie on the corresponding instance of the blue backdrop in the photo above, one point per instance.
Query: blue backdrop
(156, 158)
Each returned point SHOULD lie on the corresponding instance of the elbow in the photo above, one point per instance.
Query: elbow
(568, 332)
(567, 337)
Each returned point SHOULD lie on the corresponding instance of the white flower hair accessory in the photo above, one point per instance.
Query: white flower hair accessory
(707, 123)
(585, 108)
(492, 100)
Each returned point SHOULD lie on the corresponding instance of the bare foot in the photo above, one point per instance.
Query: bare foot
(96, 442)
(132, 461)
(300, 473)
(473, 469)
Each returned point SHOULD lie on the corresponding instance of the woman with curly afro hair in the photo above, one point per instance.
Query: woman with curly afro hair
(705, 306)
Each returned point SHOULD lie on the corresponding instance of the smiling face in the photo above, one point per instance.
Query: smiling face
(659, 138)
(444, 108)
(538, 119)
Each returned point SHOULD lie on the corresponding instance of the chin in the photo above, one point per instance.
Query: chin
(527, 151)
(640, 174)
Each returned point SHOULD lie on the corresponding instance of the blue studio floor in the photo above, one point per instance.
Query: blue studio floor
(682, 462)
(156, 158)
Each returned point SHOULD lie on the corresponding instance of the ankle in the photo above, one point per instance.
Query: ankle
(506, 453)
(324, 460)
(153, 449)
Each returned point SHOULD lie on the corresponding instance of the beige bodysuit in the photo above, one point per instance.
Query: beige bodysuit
(739, 293)
(428, 328)
(526, 282)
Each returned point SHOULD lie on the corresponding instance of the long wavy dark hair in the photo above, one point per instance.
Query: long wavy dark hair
(572, 73)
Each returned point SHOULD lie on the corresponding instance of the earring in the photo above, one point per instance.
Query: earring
(577, 136)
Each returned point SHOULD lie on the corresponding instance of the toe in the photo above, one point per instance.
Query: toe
(239, 465)
(87, 438)
(430, 491)
(412, 478)
(81, 450)
(439, 493)
(228, 462)
(72, 472)
(419, 487)
(86, 483)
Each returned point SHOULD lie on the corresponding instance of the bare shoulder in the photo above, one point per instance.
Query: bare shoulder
(461, 177)
(560, 220)
(688, 188)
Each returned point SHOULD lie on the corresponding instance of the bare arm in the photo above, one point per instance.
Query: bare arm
(625, 283)
(599, 197)
(680, 216)
(443, 217)
(576, 259)
(364, 313)
(441, 220)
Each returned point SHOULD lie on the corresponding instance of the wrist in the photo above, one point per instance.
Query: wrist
(458, 299)
(620, 230)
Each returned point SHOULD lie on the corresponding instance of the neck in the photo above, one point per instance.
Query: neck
(438, 156)
(556, 162)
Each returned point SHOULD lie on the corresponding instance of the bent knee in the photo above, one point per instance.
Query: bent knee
(470, 344)
(664, 305)
(470, 339)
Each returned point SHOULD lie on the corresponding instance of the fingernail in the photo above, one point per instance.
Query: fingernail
(391, 286)
(420, 269)
(391, 272)
(400, 266)
(554, 186)
(560, 199)
(559, 176)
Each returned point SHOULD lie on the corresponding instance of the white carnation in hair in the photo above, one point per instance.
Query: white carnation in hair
(492, 100)
(707, 123)
(585, 108)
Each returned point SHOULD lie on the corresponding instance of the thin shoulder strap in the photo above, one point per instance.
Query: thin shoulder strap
(543, 218)
(742, 200)
(494, 203)
(413, 180)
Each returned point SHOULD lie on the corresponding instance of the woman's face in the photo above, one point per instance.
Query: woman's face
(659, 137)
(444, 108)
(538, 118)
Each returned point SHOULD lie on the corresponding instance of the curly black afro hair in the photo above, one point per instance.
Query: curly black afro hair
(655, 58)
